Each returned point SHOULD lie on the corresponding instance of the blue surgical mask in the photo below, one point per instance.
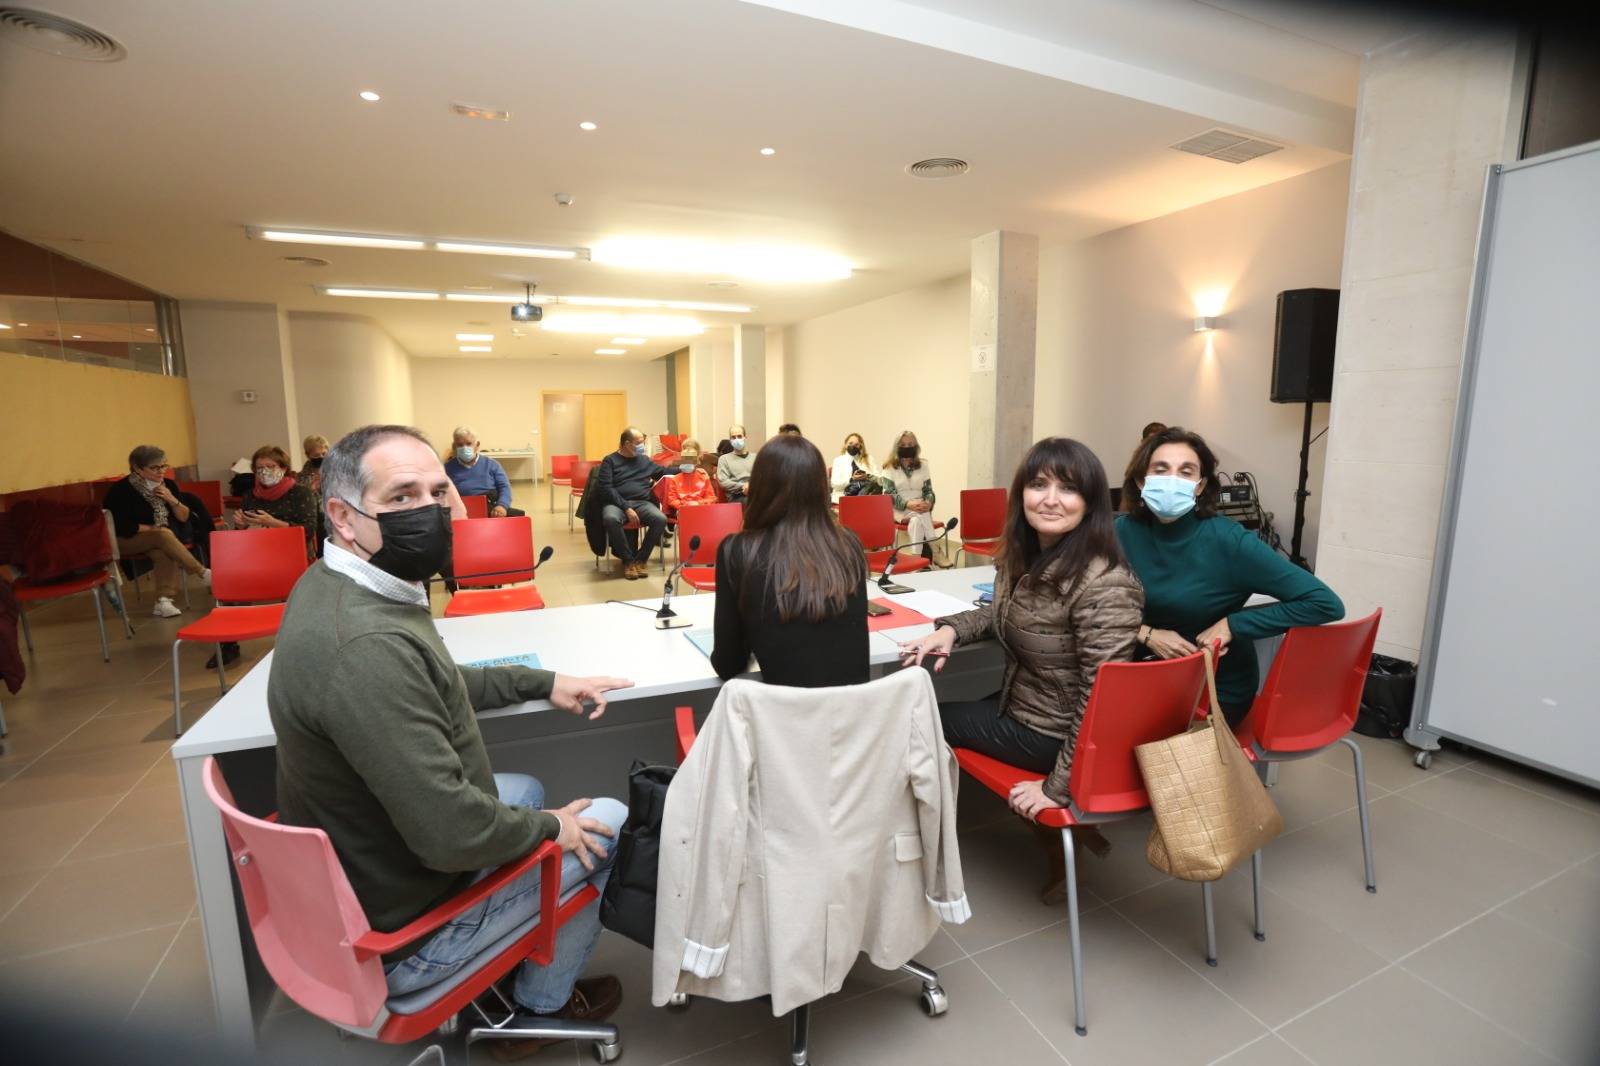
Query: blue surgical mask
(738, 444)
(466, 453)
(1167, 496)
(687, 468)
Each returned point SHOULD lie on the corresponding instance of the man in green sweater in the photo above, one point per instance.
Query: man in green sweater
(378, 743)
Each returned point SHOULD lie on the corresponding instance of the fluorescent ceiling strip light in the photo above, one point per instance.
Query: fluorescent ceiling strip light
(474, 336)
(618, 325)
(475, 348)
(610, 351)
(490, 248)
(381, 294)
(354, 240)
(494, 298)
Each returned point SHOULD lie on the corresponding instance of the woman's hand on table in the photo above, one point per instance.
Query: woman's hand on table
(572, 694)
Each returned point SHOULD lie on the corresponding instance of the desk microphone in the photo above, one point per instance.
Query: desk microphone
(667, 618)
(544, 557)
(885, 584)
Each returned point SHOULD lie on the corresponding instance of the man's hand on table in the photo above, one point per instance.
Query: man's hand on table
(573, 693)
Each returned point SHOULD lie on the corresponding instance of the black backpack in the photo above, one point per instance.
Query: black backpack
(629, 904)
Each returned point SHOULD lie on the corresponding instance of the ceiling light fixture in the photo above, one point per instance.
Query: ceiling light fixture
(491, 248)
(354, 240)
(755, 262)
(769, 151)
(475, 348)
(493, 114)
(380, 294)
(620, 325)
(77, 336)
(493, 298)
(474, 336)
(610, 351)
(370, 97)
(627, 340)
(587, 126)
(4, 326)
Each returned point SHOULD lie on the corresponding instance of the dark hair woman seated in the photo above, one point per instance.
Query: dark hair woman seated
(791, 588)
(1064, 603)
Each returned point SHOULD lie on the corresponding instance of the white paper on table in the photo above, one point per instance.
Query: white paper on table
(932, 603)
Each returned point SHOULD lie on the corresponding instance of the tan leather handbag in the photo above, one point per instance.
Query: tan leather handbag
(1212, 812)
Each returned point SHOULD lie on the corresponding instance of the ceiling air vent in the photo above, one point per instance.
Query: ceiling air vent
(1227, 146)
(44, 32)
(305, 260)
(938, 167)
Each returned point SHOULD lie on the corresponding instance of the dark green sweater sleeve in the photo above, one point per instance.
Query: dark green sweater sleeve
(411, 766)
(489, 687)
(1303, 600)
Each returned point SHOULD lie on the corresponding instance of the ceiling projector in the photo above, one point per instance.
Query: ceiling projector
(528, 311)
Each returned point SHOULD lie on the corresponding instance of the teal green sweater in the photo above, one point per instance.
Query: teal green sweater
(1196, 571)
(378, 746)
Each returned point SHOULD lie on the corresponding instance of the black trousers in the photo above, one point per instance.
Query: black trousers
(979, 725)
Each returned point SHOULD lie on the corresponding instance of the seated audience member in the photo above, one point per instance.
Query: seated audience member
(1199, 568)
(622, 492)
(1069, 603)
(852, 470)
(791, 587)
(911, 484)
(315, 448)
(790, 427)
(149, 515)
(378, 742)
(691, 485)
(733, 469)
(277, 499)
(476, 474)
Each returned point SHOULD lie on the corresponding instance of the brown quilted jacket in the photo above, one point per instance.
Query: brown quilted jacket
(1055, 637)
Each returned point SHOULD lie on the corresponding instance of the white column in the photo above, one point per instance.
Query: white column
(1002, 335)
(234, 350)
(750, 380)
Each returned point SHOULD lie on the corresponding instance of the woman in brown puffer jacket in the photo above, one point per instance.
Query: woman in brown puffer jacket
(1065, 601)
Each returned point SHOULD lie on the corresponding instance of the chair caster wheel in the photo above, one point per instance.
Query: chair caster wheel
(1211, 962)
(1423, 759)
(678, 1001)
(1373, 889)
(934, 1001)
(1261, 937)
(1081, 1030)
(606, 1052)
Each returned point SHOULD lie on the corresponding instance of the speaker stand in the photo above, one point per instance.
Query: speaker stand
(1301, 494)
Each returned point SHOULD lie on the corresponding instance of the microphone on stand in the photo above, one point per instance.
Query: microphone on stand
(885, 584)
(544, 557)
(667, 618)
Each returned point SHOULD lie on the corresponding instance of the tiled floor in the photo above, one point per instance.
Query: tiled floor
(1481, 946)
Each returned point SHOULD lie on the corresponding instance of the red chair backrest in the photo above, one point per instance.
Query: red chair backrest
(1130, 704)
(983, 514)
(256, 565)
(303, 913)
(869, 517)
(209, 492)
(579, 473)
(561, 465)
(477, 506)
(492, 546)
(1313, 690)
(672, 442)
(712, 523)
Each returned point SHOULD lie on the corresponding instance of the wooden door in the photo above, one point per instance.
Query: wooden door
(605, 416)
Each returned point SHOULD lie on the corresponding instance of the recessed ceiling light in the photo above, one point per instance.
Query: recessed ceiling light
(769, 151)
(627, 340)
(149, 329)
(354, 240)
(24, 324)
(4, 326)
(370, 97)
(381, 294)
(489, 248)
(587, 126)
(756, 262)
(622, 325)
(77, 336)
(475, 348)
(493, 114)
(474, 336)
(610, 351)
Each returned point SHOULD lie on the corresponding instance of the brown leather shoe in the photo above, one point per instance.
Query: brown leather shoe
(594, 999)
(632, 571)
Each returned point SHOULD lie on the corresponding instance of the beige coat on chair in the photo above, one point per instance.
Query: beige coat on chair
(805, 827)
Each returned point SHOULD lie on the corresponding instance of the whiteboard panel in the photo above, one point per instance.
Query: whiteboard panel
(1516, 664)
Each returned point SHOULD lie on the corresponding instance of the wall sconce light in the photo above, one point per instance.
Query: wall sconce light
(1205, 324)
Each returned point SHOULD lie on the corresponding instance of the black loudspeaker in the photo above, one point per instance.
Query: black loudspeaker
(1302, 346)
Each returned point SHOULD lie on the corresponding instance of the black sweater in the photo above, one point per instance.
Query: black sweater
(798, 653)
(130, 510)
(623, 481)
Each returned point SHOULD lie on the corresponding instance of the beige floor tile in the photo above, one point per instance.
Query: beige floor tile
(1537, 987)
(1144, 1005)
(1395, 1017)
(1566, 909)
(1547, 785)
(145, 731)
(109, 974)
(1270, 1050)
(1004, 867)
(55, 779)
(1309, 791)
(1388, 762)
(179, 994)
(97, 898)
(146, 817)
(31, 735)
(1545, 826)
(36, 838)
(14, 885)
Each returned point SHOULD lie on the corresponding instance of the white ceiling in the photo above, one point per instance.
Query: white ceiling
(228, 115)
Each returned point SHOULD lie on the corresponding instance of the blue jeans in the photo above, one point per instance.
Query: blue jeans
(544, 989)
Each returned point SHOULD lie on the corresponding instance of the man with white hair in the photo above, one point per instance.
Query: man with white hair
(476, 474)
(378, 742)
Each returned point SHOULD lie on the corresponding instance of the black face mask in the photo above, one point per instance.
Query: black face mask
(416, 543)
(854, 449)
(908, 453)
(314, 464)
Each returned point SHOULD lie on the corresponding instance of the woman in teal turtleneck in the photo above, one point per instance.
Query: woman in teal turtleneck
(1198, 569)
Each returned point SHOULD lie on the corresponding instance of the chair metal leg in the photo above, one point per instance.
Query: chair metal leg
(121, 604)
(222, 674)
(27, 630)
(100, 617)
(1209, 907)
(177, 704)
(183, 576)
(1361, 808)
(2, 720)
(432, 1053)
(799, 1034)
(1080, 1021)
(1255, 884)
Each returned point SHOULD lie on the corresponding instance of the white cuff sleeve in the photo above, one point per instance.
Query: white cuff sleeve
(708, 962)
(957, 911)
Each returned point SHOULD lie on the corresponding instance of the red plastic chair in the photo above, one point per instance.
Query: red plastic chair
(712, 523)
(983, 521)
(872, 519)
(255, 568)
(320, 949)
(43, 592)
(210, 494)
(673, 442)
(477, 506)
(560, 474)
(489, 552)
(1310, 700)
(1130, 704)
(577, 480)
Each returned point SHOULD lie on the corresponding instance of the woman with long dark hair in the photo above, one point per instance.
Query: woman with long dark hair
(1065, 601)
(791, 588)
